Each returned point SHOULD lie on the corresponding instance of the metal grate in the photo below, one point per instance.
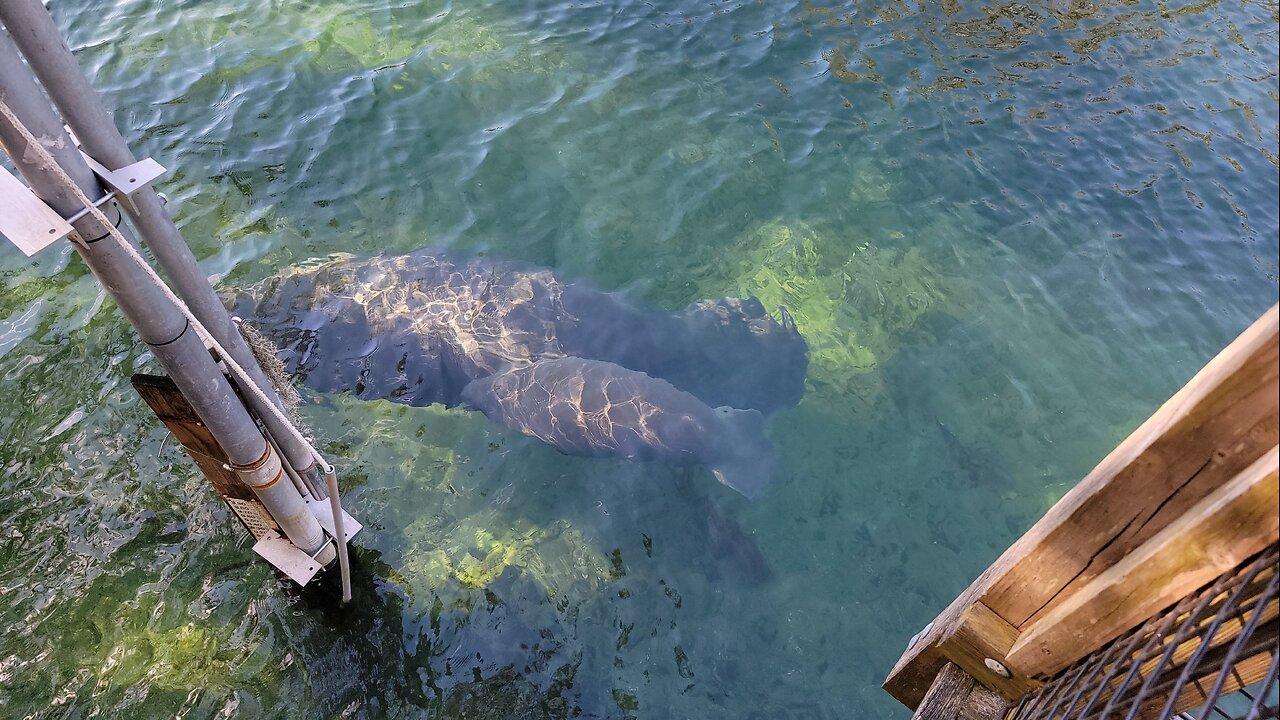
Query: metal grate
(1212, 655)
(253, 515)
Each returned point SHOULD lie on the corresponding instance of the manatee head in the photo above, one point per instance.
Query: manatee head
(318, 316)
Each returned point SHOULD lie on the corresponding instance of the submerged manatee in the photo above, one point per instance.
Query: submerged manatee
(592, 408)
(419, 328)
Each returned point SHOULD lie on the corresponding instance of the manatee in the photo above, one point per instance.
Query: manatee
(511, 340)
(593, 408)
(417, 328)
(727, 352)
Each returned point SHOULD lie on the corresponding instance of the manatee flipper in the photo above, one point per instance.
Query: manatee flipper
(746, 462)
(593, 409)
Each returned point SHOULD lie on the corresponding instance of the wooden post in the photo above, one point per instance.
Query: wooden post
(955, 695)
(167, 402)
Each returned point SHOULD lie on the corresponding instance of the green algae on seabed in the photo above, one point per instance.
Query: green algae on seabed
(182, 658)
(469, 39)
(339, 38)
(477, 550)
(851, 302)
(349, 42)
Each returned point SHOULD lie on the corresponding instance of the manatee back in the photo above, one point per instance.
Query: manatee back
(592, 408)
(337, 333)
(726, 352)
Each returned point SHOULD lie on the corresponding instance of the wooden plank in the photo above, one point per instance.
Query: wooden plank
(168, 403)
(1265, 636)
(1193, 695)
(1218, 423)
(1234, 522)
(956, 695)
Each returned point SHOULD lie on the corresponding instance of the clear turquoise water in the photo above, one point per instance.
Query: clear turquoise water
(1009, 231)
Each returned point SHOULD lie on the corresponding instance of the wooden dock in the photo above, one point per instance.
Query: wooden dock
(1187, 497)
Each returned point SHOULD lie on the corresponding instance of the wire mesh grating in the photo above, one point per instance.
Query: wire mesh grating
(1212, 655)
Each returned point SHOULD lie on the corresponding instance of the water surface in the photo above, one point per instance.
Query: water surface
(1009, 231)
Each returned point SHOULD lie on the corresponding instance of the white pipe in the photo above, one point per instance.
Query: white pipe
(331, 480)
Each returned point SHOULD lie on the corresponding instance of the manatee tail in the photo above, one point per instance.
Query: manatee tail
(745, 459)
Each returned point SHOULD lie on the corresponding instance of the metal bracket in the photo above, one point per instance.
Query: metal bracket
(33, 226)
(292, 561)
(287, 558)
(128, 179)
(124, 181)
(25, 219)
(324, 514)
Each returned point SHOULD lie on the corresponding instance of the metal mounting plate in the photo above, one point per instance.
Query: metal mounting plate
(127, 179)
(25, 219)
(324, 513)
(287, 558)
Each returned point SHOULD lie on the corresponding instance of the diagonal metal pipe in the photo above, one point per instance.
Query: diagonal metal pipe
(158, 321)
(34, 31)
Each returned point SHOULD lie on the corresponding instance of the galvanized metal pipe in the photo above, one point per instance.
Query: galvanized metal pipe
(158, 322)
(36, 34)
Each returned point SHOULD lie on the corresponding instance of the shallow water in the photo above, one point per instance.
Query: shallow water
(1009, 231)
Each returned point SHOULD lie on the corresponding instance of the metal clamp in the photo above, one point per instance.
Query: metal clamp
(127, 180)
(96, 203)
(33, 226)
(329, 538)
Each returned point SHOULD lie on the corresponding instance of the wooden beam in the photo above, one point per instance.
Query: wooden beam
(167, 402)
(1234, 522)
(956, 695)
(1220, 421)
(976, 636)
(1218, 424)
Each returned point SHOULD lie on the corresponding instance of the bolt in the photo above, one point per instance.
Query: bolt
(997, 667)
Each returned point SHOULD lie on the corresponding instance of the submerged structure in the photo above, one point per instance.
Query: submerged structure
(1151, 590)
(217, 400)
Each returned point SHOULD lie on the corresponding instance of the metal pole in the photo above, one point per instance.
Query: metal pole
(34, 31)
(344, 566)
(158, 322)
